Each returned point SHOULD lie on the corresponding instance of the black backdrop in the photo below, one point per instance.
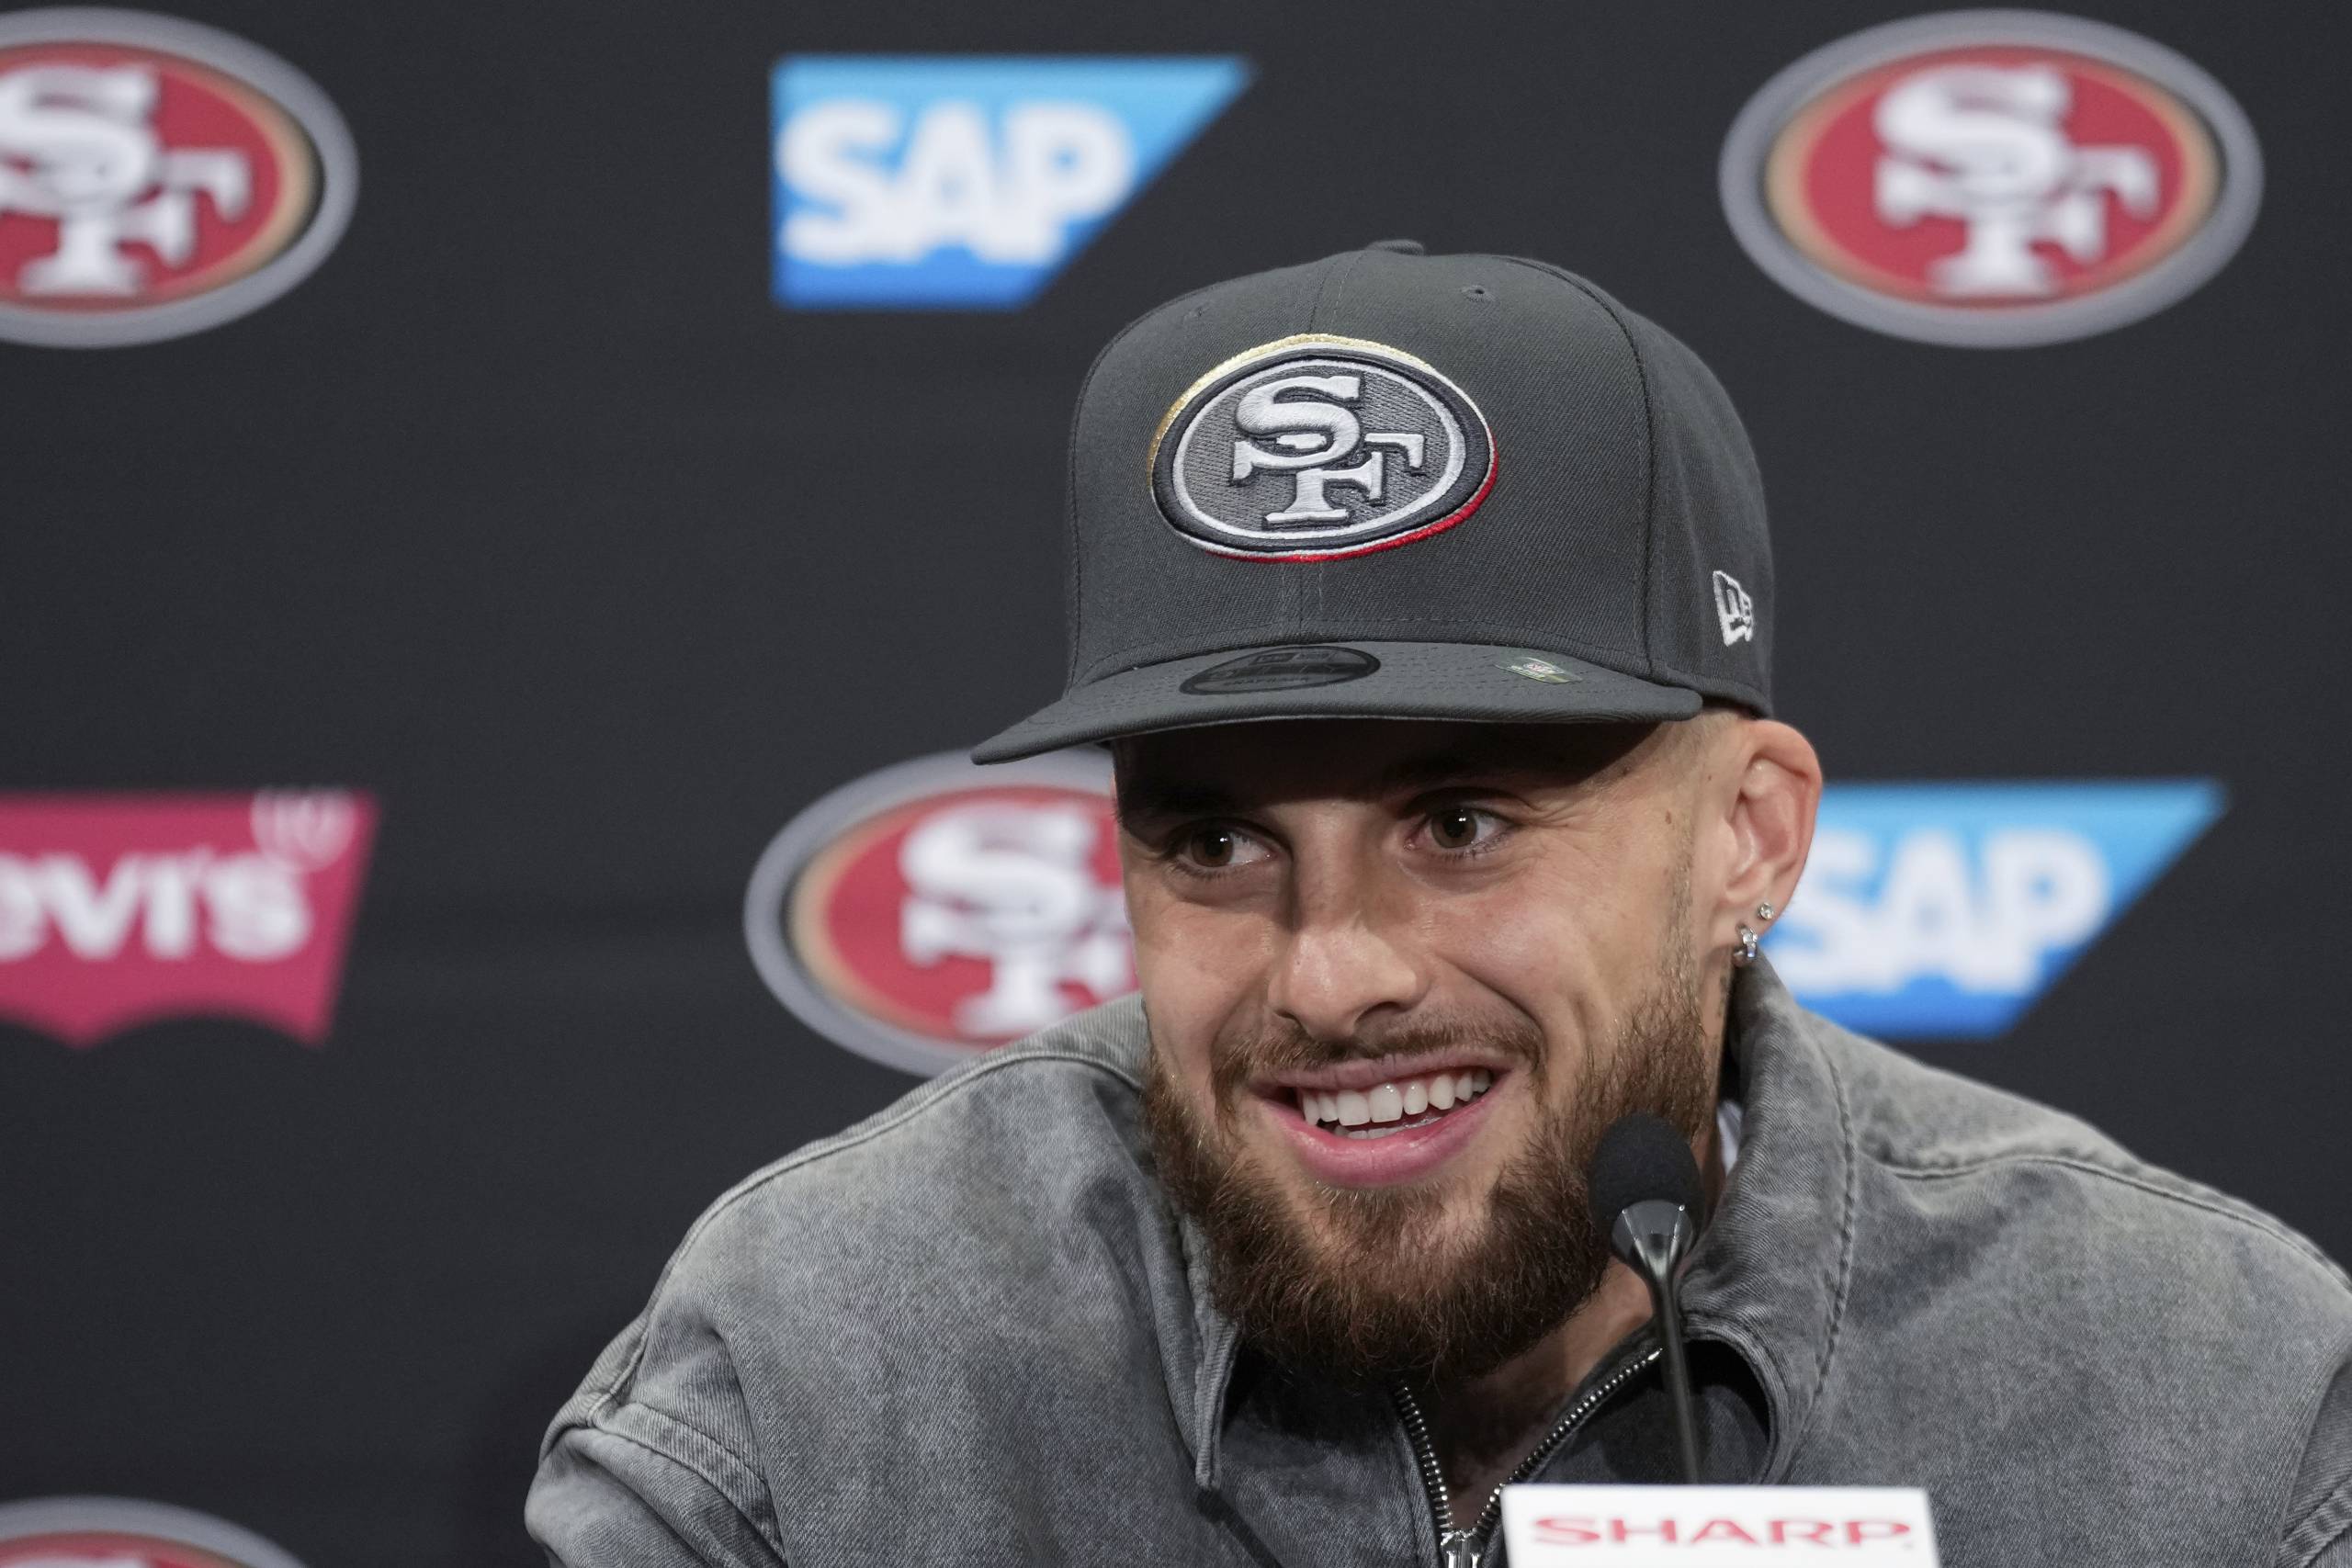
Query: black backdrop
(534, 515)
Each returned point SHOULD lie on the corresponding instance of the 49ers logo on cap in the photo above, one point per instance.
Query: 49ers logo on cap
(1992, 178)
(928, 913)
(156, 177)
(1314, 448)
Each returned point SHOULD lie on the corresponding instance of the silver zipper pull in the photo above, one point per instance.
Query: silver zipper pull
(1459, 1548)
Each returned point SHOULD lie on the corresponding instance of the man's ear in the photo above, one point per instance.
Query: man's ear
(1773, 783)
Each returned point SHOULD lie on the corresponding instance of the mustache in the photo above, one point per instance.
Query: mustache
(1237, 1058)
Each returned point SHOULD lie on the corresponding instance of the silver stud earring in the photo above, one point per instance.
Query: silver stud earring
(1764, 912)
(1745, 954)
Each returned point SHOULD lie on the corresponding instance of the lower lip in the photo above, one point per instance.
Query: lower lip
(1399, 1156)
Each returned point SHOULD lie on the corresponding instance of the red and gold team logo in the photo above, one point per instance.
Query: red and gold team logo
(156, 177)
(1992, 178)
(107, 1548)
(935, 910)
(121, 1532)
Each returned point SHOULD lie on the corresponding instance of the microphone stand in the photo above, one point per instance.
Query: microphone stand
(1655, 1236)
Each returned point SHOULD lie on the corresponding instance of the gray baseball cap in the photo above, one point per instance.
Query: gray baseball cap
(1394, 485)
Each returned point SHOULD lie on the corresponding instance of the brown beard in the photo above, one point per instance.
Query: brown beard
(1364, 1285)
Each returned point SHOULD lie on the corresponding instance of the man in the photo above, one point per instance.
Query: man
(1425, 602)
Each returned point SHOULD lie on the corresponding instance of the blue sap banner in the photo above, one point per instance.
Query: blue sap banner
(1943, 910)
(918, 182)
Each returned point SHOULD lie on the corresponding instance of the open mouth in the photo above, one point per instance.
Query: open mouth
(1398, 1106)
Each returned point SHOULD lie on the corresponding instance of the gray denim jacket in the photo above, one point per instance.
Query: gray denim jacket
(967, 1330)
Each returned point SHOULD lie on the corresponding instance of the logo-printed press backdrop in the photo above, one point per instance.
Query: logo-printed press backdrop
(474, 631)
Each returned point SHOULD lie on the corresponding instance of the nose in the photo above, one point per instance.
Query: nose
(1342, 967)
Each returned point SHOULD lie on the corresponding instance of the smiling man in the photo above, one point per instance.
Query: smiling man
(1425, 604)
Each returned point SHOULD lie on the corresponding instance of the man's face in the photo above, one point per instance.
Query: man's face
(1400, 977)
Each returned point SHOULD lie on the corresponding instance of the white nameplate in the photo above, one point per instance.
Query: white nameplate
(1661, 1527)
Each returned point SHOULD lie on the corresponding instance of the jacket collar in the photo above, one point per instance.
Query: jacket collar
(1769, 1275)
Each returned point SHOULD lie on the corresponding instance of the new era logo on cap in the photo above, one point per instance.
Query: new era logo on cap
(1735, 612)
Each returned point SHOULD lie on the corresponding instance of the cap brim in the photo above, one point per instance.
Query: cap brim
(1472, 682)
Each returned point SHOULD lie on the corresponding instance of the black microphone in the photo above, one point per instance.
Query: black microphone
(1645, 1194)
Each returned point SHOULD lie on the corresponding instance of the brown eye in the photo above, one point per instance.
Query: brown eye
(1208, 849)
(1453, 827)
(1211, 847)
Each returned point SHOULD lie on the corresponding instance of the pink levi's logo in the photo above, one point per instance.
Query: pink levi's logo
(123, 909)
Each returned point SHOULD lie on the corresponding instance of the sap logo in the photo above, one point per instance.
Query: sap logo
(1944, 910)
(927, 182)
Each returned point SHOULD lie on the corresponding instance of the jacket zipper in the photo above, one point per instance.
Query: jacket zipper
(1467, 1548)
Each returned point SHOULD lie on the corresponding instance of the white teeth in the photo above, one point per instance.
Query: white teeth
(1377, 1108)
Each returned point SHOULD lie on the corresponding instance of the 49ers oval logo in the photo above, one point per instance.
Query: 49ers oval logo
(935, 910)
(123, 1532)
(1992, 178)
(156, 177)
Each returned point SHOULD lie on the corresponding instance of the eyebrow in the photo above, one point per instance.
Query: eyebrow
(1143, 799)
(1440, 767)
